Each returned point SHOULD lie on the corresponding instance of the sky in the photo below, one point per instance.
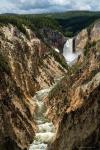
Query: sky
(43, 6)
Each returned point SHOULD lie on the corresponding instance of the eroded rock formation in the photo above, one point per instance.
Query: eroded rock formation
(88, 35)
(74, 104)
(26, 65)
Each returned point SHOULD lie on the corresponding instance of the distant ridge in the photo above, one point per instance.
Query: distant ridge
(69, 23)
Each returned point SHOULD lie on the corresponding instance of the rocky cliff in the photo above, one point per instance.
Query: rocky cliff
(88, 35)
(29, 64)
(54, 38)
(26, 66)
(17, 127)
(74, 104)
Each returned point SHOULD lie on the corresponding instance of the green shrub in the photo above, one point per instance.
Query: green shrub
(59, 58)
(68, 34)
(55, 89)
(4, 67)
(89, 46)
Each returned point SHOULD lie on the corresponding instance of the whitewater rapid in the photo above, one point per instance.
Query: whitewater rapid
(46, 131)
(70, 56)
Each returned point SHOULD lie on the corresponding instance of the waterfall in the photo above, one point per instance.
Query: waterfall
(68, 53)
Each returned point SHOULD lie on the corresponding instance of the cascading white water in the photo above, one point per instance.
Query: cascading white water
(57, 50)
(68, 53)
(46, 131)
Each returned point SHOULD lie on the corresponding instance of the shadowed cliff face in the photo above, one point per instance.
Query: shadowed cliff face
(26, 66)
(74, 104)
(16, 115)
(53, 38)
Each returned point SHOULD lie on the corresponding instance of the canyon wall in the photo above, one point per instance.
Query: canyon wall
(74, 104)
(26, 66)
(54, 38)
(88, 35)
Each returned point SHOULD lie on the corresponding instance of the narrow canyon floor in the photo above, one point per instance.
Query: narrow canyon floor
(46, 131)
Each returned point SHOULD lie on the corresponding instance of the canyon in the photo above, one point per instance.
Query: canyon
(74, 104)
(27, 66)
(49, 89)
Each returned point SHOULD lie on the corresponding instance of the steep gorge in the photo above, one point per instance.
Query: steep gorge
(27, 65)
(74, 104)
(37, 85)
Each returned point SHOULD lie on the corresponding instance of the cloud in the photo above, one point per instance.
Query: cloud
(40, 6)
